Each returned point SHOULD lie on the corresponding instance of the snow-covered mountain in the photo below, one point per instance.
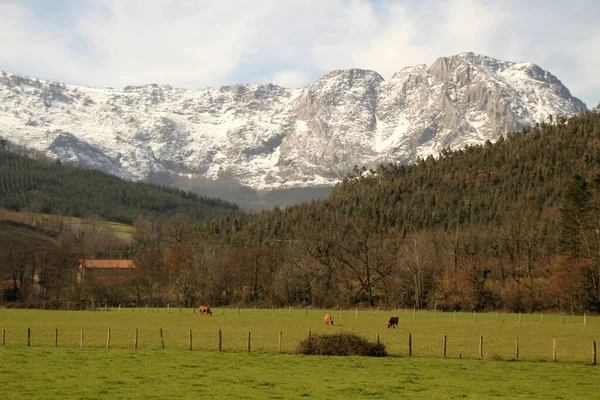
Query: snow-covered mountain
(266, 136)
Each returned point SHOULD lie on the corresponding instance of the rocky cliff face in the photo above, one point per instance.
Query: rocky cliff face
(265, 136)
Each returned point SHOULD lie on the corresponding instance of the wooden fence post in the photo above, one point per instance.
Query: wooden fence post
(444, 350)
(162, 339)
(519, 316)
(220, 340)
(135, 341)
(541, 317)
(105, 307)
(223, 311)
(481, 347)
(290, 310)
(377, 338)
(306, 312)
(414, 313)
(248, 342)
(272, 310)
(340, 312)
(81, 340)
(3, 337)
(119, 307)
(593, 352)
(356, 312)
(474, 315)
(517, 349)
(238, 310)
(455, 315)
(553, 349)
(584, 318)
(180, 310)
(190, 340)
(409, 345)
(28, 337)
(309, 335)
(108, 339)
(55, 337)
(279, 342)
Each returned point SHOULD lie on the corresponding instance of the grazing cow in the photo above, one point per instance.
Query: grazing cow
(327, 319)
(393, 321)
(204, 309)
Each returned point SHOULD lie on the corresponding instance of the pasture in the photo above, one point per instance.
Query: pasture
(76, 225)
(150, 371)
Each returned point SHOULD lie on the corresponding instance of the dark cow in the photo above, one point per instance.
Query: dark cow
(393, 321)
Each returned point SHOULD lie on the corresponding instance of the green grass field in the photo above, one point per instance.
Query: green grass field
(150, 372)
(156, 374)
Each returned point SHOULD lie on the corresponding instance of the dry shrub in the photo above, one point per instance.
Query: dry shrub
(340, 344)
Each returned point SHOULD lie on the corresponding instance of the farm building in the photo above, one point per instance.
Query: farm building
(7, 292)
(105, 272)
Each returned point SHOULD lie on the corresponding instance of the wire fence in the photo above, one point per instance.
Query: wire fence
(485, 336)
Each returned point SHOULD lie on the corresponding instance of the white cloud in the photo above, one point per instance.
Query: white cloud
(27, 49)
(588, 69)
(194, 43)
(291, 79)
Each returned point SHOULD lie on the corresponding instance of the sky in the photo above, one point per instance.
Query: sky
(291, 43)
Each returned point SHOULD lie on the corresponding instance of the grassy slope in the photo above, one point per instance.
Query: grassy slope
(77, 225)
(149, 372)
(15, 232)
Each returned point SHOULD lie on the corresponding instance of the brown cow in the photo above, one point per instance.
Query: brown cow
(204, 309)
(327, 319)
(393, 321)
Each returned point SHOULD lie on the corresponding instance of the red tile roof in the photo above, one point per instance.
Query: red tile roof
(123, 264)
(8, 284)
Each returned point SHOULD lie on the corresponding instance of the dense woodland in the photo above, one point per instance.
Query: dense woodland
(51, 187)
(513, 225)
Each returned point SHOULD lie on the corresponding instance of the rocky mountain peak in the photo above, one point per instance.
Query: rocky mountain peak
(349, 76)
(266, 136)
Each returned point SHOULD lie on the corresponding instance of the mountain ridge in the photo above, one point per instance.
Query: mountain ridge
(266, 137)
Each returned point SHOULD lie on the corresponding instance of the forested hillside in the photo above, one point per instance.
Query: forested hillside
(509, 225)
(526, 171)
(54, 188)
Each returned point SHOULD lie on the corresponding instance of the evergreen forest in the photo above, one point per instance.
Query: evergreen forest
(51, 187)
